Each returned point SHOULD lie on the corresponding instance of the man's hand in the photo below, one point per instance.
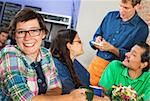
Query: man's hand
(98, 39)
(106, 46)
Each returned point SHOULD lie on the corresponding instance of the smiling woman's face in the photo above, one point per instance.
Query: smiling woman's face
(30, 45)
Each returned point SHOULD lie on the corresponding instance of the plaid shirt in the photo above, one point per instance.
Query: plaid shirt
(18, 79)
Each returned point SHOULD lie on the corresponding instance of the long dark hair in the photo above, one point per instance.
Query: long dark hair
(60, 51)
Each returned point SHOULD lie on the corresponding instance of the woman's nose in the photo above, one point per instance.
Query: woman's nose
(27, 36)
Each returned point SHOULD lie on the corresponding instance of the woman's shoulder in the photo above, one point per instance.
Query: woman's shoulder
(79, 68)
(10, 49)
(45, 50)
(77, 65)
(8, 52)
(62, 68)
(57, 62)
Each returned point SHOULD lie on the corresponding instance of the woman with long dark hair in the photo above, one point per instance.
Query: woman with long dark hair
(65, 48)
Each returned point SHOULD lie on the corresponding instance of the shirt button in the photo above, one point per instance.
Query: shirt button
(43, 84)
(105, 55)
(117, 31)
(113, 39)
(39, 80)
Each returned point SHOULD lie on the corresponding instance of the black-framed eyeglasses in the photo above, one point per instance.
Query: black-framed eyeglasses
(32, 33)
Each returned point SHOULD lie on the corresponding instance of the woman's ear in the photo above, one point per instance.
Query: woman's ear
(44, 34)
(68, 45)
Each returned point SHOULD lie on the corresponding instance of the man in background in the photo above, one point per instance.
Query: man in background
(3, 36)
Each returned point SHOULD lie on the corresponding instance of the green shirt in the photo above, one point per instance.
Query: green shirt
(116, 73)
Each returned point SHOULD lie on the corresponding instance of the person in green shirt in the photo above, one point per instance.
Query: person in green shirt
(134, 71)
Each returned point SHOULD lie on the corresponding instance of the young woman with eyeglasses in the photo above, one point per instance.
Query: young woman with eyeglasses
(65, 48)
(27, 70)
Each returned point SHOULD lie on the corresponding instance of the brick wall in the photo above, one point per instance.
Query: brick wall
(144, 12)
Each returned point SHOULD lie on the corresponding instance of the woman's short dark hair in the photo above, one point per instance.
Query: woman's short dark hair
(145, 57)
(24, 15)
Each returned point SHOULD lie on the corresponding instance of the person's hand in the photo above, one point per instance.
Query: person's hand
(98, 98)
(78, 95)
(98, 39)
(54, 91)
(105, 46)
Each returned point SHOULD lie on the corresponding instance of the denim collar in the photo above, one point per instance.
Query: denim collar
(134, 20)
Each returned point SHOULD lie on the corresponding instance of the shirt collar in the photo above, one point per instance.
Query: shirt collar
(39, 58)
(141, 78)
(43, 52)
(133, 20)
(118, 16)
